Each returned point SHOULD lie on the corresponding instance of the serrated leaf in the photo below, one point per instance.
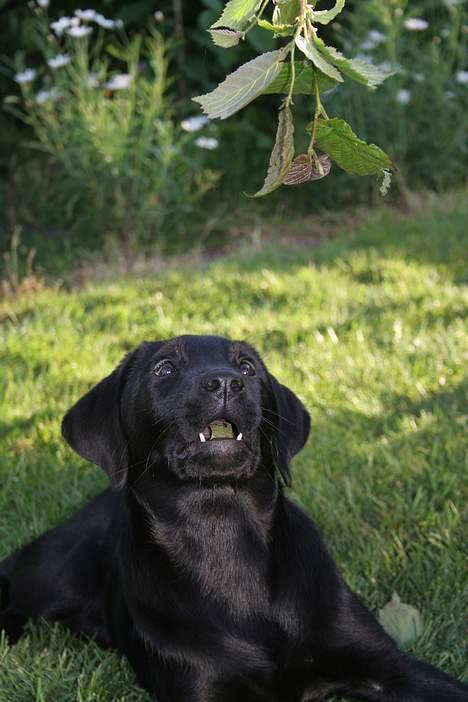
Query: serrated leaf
(286, 12)
(309, 49)
(280, 30)
(237, 14)
(304, 83)
(305, 168)
(360, 71)
(225, 38)
(336, 138)
(326, 16)
(401, 621)
(244, 85)
(282, 154)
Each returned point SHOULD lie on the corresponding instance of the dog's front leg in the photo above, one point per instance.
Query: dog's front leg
(367, 664)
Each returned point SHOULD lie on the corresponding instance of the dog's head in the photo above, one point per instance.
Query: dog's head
(199, 408)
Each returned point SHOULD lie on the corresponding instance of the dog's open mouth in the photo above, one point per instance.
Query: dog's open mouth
(220, 429)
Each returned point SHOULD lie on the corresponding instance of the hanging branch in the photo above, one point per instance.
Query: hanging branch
(319, 68)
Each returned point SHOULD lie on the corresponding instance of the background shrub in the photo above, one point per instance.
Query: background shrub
(101, 169)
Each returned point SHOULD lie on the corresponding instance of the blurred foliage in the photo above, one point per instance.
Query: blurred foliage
(417, 116)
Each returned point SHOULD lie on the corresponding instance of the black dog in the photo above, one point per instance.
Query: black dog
(195, 566)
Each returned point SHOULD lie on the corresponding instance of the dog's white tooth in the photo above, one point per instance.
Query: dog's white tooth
(202, 436)
(239, 437)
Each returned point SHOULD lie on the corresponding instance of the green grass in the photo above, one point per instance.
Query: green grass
(369, 329)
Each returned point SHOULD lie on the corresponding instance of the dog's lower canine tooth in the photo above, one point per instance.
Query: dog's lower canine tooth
(239, 437)
(202, 436)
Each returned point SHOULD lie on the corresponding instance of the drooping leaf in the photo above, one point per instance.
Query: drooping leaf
(401, 621)
(286, 12)
(304, 83)
(279, 30)
(386, 183)
(326, 16)
(336, 138)
(244, 85)
(360, 71)
(309, 49)
(237, 14)
(282, 154)
(305, 168)
(225, 37)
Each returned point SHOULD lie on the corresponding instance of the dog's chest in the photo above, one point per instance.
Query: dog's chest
(221, 556)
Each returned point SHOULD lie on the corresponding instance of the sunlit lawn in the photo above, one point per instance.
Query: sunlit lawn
(369, 329)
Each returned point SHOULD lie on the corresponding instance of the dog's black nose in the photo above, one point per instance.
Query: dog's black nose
(222, 382)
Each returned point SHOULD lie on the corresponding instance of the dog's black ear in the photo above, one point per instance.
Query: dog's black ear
(292, 427)
(94, 429)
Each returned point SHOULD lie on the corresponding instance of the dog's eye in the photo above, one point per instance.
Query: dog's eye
(246, 367)
(164, 367)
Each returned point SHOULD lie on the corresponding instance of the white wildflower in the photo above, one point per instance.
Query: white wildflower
(105, 23)
(373, 39)
(58, 61)
(45, 95)
(207, 143)
(26, 76)
(64, 23)
(194, 124)
(43, 3)
(403, 96)
(159, 16)
(462, 77)
(378, 37)
(119, 24)
(79, 31)
(86, 15)
(92, 80)
(416, 24)
(121, 81)
(93, 16)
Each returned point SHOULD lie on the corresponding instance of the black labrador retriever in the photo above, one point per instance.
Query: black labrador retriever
(196, 566)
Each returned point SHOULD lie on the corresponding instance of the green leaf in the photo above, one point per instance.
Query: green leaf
(304, 84)
(336, 138)
(282, 154)
(237, 14)
(358, 70)
(226, 37)
(309, 49)
(243, 86)
(402, 621)
(280, 30)
(326, 16)
(286, 12)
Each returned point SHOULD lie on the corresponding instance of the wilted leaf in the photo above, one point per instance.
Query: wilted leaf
(282, 154)
(386, 183)
(360, 71)
(242, 86)
(401, 621)
(309, 49)
(237, 14)
(336, 138)
(305, 168)
(225, 37)
(304, 83)
(280, 30)
(326, 16)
